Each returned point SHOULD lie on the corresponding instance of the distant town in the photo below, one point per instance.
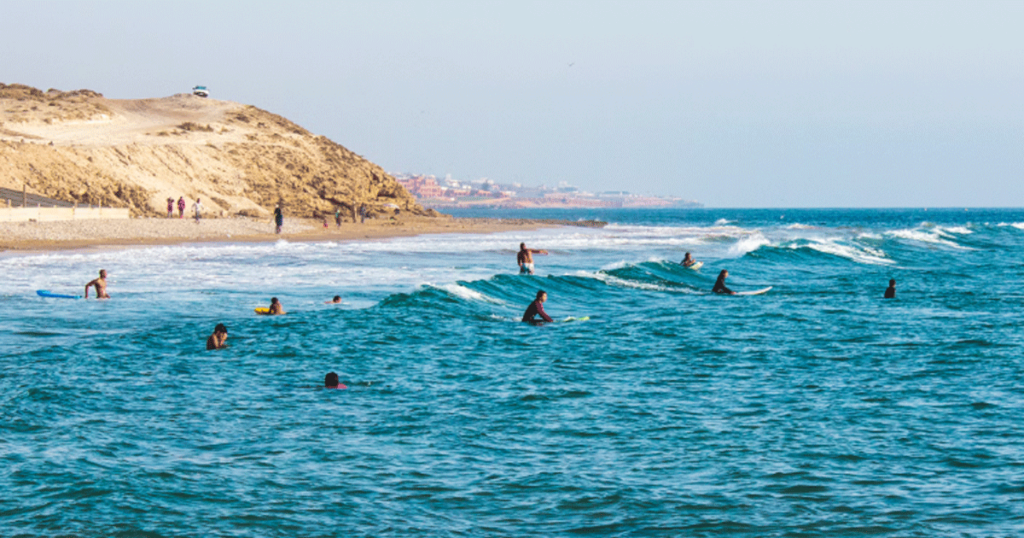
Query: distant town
(447, 193)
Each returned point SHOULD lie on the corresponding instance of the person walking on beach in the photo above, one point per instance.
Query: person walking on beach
(219, 337)
(337, 217)
(890, 292)
(720, 284)
(536, 308)
(100, 284)
(525, 258)
(278, 219)
(198, 209)
(170, 207)
(181, 207)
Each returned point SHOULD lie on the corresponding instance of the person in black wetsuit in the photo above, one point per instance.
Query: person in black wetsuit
(720, 284)
(536, 308)
(890, 292)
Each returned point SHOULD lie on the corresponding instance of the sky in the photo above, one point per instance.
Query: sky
(730, 103)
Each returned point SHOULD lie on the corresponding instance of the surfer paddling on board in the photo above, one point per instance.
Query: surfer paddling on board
(687, 260)
(219, 338)
(275, 307)
(720, 284)
(890, 292)
(100, 284)
(536, 308)
(525, 258)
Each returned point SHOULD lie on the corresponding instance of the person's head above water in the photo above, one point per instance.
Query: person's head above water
(273, 300)
(892, 282)
(522, 246)
(723, 274)
(220, 328)
(103, 273)
(337, 299)
(542, 296)
(331, 380)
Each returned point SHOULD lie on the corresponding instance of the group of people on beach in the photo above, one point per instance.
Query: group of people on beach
(197, 208)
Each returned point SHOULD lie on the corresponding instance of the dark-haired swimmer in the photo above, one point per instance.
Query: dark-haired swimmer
(275, 307)
(219, 337)
(536, 308)
(100, 284)
(331, 381)
(335, 300)
(720, 284)
(525, 258)
(890, 292)
(687, 260)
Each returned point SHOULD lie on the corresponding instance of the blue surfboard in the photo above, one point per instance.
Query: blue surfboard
(51, 295)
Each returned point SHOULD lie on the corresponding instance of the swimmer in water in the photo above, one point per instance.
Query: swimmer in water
(100, 284)
(275, 307)
(219, 337)
(331, 381)
(536, 308)
(687, 260)
(335, 300)
(525, 258)
(720, 284)
(890, 292)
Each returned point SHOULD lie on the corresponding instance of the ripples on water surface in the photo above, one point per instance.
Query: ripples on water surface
(815, 410)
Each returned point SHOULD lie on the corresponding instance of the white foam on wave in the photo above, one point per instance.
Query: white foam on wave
(723, 222)
(866, 255)
(798, 226)
(749, 243)
(921, 236)
(615, 265)
(612, 280)
(468, 294)
(950, 230)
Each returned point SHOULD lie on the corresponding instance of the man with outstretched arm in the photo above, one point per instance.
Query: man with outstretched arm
(100, 284)
(536, 308)
(525, 258)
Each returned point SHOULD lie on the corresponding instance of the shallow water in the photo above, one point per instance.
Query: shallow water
(817, 409)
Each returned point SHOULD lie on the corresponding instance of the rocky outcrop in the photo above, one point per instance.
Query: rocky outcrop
(81, 147)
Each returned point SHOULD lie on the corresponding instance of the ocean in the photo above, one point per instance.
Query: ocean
(816, 409)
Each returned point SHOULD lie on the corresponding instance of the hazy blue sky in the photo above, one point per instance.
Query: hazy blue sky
(733, 103)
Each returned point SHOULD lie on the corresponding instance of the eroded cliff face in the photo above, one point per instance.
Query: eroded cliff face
(80, 147)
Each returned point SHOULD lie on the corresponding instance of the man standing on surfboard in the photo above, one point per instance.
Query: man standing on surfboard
(101, 286)
(525, 258)
(536, 308)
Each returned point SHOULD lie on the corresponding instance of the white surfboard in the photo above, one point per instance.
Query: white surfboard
(696, 266)
(755, 292)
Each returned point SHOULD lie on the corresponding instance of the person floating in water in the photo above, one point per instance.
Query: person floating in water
(100, 284)
(335, 300)
(331, 381)
(536, 308)
(525, 258)
(275, 307)
(687, 260)
(219, 337)
(720, 284)
(890, 292)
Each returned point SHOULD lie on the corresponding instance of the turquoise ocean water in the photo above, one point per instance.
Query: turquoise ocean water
(817, 409)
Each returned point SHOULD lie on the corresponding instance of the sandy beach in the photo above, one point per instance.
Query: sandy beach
(45, 236)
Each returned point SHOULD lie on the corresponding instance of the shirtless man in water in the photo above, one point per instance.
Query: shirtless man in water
(275, 307)
(525, 258)
(101, 286)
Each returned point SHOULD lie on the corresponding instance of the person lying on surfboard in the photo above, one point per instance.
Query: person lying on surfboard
(720, 284)
(536, 308)
(525, 258)
(100, 284)
(687, 260)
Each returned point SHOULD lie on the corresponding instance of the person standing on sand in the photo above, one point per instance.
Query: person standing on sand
(278, 219)
(337, 217)
(219, 338)
(525, 258)
(100, 284)
(198, 208)
(170, 207)
(181, 207)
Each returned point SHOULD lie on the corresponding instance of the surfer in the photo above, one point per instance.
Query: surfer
(536, 308)
(100, 284)
(335, 300)
(720, 284)
(275, 307)
(525, 258)
(219, 337)
(890, 292)
(687, 260)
